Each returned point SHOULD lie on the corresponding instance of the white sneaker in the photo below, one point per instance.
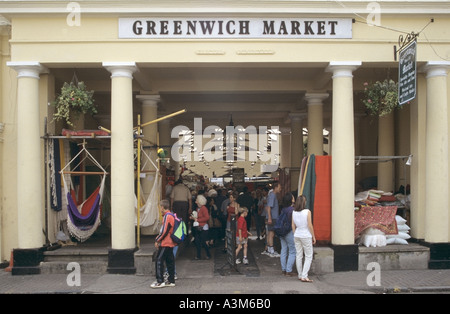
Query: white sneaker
(245, 261)
(166, 276)
(274, 254)
(157, 285)
(265, 252)
(169, 284)
(238, 261)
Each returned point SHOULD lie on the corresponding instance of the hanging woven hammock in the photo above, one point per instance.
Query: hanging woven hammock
(149, 212)
(84, 219)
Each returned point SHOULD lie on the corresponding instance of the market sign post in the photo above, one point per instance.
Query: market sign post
(407, 76)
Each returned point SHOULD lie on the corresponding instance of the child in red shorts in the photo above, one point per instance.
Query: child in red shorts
(242, 235)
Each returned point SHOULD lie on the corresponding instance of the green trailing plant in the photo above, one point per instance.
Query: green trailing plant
(73, 101)
(381, 98)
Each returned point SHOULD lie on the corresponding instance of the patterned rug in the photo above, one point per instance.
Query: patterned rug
(379, 217)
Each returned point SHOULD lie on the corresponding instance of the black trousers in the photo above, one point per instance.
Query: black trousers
(181, 208)
(165, 256)
(200, 241)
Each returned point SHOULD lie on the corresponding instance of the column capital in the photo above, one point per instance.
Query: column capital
(343, 68)
(297, 116)
(436, 68)
(120, 69)
(30, 69)
(149, 100)
(316, 98)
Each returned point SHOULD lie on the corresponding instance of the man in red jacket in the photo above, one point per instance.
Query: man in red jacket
(165, 245)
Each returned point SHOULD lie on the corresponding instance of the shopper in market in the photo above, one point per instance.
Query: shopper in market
(202, 227)
(181, 201)
(288, 251)
(303, 237)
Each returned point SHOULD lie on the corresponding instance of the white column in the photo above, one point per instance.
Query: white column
(343, 153)
(296, 147)
(315, 122)
(418, 115)
(30, 213)
(122, 162)
(436, 180)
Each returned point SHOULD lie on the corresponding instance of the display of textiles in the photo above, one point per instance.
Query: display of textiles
(315, 184)
(378, 217)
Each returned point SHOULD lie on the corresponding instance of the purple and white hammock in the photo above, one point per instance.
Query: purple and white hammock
(84, 219)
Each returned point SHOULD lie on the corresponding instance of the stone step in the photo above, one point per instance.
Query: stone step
(91, 260)
(76, 255)
(395, 257)
(86, 267)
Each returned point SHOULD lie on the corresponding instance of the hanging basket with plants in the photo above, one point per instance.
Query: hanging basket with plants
(381, 98)
(73, 101)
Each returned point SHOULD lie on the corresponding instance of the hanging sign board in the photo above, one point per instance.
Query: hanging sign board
(234, 28)
(407, 73)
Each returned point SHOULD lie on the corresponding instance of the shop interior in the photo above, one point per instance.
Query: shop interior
(221, 95)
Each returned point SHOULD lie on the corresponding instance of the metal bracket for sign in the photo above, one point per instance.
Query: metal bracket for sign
(404, 41)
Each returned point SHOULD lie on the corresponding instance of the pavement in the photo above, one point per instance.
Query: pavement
(215, 276)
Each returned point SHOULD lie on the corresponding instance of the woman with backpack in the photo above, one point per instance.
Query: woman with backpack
(288, 252)
(303, 237)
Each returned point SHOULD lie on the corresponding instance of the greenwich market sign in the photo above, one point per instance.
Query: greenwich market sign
(213, 28)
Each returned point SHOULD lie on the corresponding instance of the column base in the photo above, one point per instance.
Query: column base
(121, 261)
(345, 257)
(439, 255)
(27, 261)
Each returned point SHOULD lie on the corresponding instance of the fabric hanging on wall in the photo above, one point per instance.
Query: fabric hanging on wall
(301, 176)
(322, 199)
(309, 183)
(55, 177)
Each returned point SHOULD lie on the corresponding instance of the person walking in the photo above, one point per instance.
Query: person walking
(165, 245)
(272, 213)
(288, 251)
(245, 199)
(242, 235)
(201, 223)
(303, 237)
(232, 209)
(181, 201)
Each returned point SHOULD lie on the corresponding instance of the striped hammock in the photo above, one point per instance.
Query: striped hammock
(84, 219)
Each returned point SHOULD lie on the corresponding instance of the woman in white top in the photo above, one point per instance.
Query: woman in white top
(303, 237)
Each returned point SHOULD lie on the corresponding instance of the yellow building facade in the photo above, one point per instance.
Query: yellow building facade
(290, 64)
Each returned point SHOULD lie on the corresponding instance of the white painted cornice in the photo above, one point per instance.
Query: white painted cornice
(205, 7)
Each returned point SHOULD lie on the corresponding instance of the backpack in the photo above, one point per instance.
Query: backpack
(179, 230)
(282, 226)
